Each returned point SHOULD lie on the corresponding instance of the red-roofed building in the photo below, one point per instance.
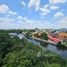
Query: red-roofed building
(54, 39)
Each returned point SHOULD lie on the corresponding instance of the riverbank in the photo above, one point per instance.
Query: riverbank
(65, 45)
(60, 50)
(22, 53)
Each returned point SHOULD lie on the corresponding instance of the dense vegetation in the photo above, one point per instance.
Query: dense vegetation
(28, 35)
(11, 31)
(41, 36)
(15, 52)
(44, 36)
(16, 31)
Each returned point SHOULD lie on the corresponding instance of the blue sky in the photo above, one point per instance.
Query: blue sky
(21, 14)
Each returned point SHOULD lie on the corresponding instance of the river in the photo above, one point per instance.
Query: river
(62, 51)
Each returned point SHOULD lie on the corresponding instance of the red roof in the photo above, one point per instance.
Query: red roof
(54, 39)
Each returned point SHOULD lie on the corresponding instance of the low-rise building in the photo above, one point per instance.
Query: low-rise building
(63, 36)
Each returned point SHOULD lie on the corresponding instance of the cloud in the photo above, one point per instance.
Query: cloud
(45, 10)
(57, 1)
(35, 3)
(3, 8)
(8, 25)
(58, 15)
(12, 13)
(23, 22)
(23, 3)
(29, 23)
(54, 7)
(63, 22)
(19, 17)
(4, 19)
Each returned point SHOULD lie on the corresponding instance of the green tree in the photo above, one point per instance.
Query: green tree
(15, 52)
(44, 36)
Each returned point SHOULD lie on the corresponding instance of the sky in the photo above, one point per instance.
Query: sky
(30, 14)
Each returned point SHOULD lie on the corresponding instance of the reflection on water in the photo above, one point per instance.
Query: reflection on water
(33, 41)
(20, 36)
(12, 34)
(62, 51)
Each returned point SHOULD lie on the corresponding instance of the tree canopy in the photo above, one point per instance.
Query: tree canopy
(15, 52)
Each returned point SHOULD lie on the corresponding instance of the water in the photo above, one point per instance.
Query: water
(20, 36)
(15, 34)
(61, 52)
(12, 34)
(58, 50)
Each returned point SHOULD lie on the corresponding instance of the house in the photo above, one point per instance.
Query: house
(56, 40)
(63, 36)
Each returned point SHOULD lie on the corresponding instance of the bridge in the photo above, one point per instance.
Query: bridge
(45, 41)
(51, 40)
